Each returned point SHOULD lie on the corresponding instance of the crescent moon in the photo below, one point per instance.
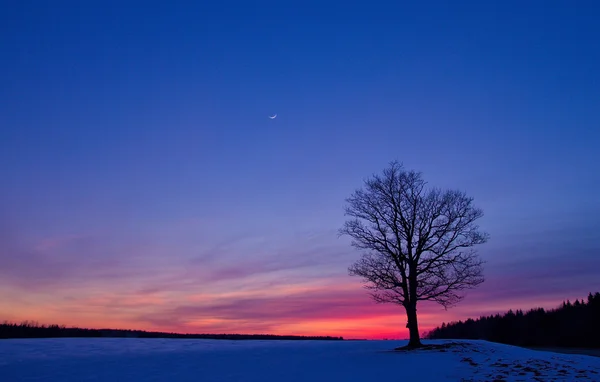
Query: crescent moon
(273, 117)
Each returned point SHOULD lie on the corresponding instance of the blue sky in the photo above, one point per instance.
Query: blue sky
(134, 136)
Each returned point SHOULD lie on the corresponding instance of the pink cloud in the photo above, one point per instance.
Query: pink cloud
(292, 289)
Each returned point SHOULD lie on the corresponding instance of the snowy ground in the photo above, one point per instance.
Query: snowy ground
(174, 360)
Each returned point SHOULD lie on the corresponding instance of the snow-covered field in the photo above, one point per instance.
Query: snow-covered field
(173, 360)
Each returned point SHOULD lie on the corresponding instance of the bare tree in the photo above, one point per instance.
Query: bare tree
(417, 242)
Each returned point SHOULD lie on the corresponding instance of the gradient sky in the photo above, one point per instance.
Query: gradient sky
(143, 186)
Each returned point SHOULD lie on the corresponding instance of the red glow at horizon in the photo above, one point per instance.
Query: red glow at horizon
(369, 321)
(244, 298)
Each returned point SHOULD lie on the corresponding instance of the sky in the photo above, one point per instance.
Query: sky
(144, 186)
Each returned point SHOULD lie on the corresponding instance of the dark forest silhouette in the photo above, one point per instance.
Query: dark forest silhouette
(33, 330)
(570, 325)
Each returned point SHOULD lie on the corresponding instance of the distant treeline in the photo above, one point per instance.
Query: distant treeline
(34, 330)
(570, 325)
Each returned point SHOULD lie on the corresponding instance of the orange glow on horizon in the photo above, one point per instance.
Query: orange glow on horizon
(311, 308)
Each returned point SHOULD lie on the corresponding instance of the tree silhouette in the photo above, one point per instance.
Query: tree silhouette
(29, 329)
(417, 242)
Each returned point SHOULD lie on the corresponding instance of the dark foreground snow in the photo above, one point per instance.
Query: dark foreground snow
(174, 360)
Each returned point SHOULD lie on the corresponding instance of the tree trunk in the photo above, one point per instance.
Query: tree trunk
(413, 326)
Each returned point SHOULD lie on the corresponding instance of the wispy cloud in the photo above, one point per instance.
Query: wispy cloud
(252, 284)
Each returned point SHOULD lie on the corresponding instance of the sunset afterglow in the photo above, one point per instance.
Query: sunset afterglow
(144, 186)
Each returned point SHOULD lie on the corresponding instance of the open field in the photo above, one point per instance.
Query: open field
(84, 359)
